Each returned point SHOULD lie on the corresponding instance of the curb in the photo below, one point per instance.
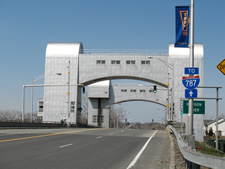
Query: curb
(172, 153)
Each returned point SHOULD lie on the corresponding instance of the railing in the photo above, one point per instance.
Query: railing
(126, 51)
(195, 159)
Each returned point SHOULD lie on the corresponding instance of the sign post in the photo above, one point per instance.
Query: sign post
(181, 114)
(191, 139)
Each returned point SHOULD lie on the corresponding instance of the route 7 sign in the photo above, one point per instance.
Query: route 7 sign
(191, 82)
(191, 93)
(221, 66)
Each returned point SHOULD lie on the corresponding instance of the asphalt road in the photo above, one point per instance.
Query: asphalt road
(83, 149)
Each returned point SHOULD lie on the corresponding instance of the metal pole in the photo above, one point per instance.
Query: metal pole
(68, 116)
(117, 121)
(32, 100)
(217, 109)
(23, 103)
(168, 102)
(190, 113)
(172, 93)
(181, 124)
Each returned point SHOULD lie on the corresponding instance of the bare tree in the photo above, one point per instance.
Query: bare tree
(84, 109)
(9, 115)
(222, 116)
(118, 116)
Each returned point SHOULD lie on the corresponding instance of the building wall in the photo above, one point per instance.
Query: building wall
(60, 56)
(221, 126)
(95, 110)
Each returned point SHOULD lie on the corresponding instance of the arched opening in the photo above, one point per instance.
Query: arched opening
(120, 93)
(138, 114)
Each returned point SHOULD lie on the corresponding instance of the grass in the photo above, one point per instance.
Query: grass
(201, 147)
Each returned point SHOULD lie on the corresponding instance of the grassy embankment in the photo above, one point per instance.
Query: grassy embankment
(201, 147)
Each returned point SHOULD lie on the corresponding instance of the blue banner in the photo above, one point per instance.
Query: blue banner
(182, 26)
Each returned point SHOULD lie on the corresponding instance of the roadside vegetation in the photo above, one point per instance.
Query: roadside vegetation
(16, 116)
(205, 149)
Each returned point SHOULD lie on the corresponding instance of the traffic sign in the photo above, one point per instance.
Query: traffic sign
(181, 113)
(198, 107)
(191, 93)
(191, 70)
(191, 82)
(221, 66)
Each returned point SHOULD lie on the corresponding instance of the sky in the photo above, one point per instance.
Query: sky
(27, 26)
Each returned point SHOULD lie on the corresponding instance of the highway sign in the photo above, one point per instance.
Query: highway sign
(191, 82)
(198, 107)
(221, 66)
(191, 93)
(191, 70)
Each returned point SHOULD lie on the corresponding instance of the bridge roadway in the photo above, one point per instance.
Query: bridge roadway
(84, 149)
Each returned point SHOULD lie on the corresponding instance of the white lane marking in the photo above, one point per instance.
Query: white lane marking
(67, 145)
(141, 151)
(98, 137)
(111, 134)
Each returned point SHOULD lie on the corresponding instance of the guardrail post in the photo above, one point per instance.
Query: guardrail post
(188, 164)
(191, 165)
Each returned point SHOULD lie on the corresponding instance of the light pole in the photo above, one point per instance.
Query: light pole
(40, 85)
(34, 79)
(68, 93)
(117, 119)
(170, 66)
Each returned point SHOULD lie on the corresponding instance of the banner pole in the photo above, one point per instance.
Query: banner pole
(191, 56)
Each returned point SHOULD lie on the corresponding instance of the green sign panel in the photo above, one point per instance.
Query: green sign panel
(198, 107)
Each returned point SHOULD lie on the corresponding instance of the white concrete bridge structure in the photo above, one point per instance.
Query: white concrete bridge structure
(80, 67)
(102, 95)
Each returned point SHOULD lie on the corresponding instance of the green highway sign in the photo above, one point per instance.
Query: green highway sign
(198, 107)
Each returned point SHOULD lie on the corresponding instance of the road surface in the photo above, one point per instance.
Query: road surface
(84, 149)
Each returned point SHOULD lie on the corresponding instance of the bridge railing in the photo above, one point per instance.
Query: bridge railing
(126, 51)
(195, 159)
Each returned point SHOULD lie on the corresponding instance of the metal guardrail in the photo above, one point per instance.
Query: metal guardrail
(195, 159)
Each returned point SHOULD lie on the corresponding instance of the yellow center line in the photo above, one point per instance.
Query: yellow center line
(46, 135)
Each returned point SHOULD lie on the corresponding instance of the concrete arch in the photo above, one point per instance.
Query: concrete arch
(139, 100)
(123, 93)
(97, 67)
(123, 77)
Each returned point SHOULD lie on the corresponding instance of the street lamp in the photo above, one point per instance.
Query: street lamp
(118, 117)
(170, 66)
(34, 79)
(41, 85)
